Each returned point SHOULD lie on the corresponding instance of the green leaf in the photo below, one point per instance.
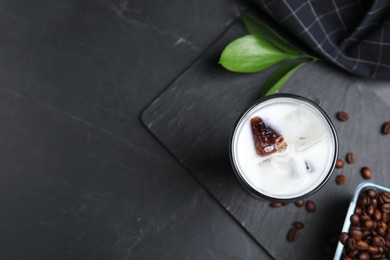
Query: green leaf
(256, 27)
(279, 77)
(252, 53)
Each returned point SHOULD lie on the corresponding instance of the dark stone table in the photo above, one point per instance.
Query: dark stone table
(81, 178)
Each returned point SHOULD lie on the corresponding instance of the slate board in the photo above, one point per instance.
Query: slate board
(194, 117)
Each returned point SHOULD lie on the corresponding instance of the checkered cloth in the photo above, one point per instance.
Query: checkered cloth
(354, 34)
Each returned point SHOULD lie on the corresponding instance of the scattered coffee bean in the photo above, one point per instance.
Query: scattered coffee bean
(366, 173)
(292, 235)
(350, 158)
(340, 180)
(298, 225)
(339, 163)
(299, 203)
(310, 206)
(342, 116)
(276, 204)
(386, 128)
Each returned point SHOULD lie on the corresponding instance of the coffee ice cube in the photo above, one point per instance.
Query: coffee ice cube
(267, 141)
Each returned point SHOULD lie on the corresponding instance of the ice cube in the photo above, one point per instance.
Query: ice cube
(304, 130)
(278, 173)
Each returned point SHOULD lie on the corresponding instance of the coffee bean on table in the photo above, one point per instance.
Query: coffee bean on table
(292, 235)
(310, 206)
(366, 173)
(299, 203)
(276, 204)
(342, 116)
(339, 163)
(386, 128)
(350, 158)
(298, 225)
(340, 180)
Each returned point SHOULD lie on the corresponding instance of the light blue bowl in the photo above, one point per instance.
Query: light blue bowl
(347, 223)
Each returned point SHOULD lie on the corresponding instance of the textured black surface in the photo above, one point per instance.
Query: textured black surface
(80, 177)
(194, 117)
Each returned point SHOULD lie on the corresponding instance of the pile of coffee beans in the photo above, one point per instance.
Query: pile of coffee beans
(369, 234)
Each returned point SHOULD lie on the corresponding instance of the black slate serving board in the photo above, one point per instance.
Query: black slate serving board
(194, 117)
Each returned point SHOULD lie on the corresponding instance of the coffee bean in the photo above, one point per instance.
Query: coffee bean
(358, 210)
(292, 235)
(342, 116)
(366, 233)
(299, 203)
(366, 173)
(386, 128)
(370, 210)
(385, 196)
(377, 215)
(276, 204)
(363, 201)
(376, 241)
(373, 250)
(339, 163)
(386, 207)
(310, 206)
(380, 231)
(340, 180)
(385, 217)
(361, 245)
(355, 219)
(356, 234)
(353, 252)
(371, 193)
(343, 238)
(298, 225)
(351, 243)
(369, 224)
(363, 256)
(350, 158)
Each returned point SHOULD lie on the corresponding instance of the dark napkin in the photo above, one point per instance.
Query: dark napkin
(353, 34)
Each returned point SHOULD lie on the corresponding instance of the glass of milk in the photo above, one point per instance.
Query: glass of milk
(300, 169)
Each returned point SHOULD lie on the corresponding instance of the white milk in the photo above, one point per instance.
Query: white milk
(303, 166)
